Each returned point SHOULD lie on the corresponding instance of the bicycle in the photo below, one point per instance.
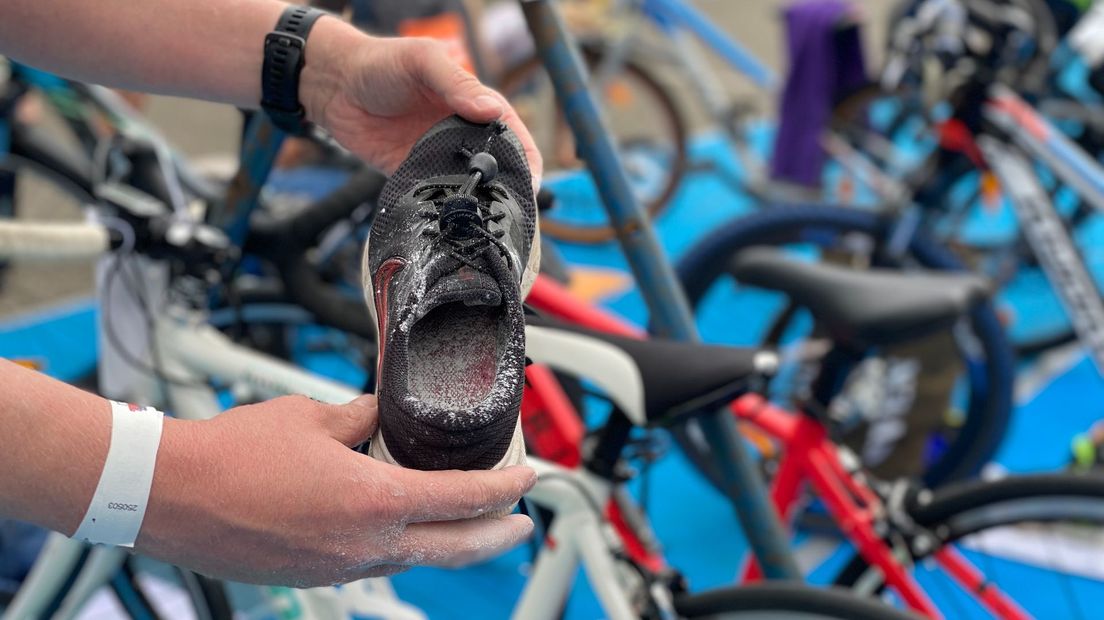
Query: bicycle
(1060, 172)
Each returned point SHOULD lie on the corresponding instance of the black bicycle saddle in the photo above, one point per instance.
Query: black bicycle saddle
(864, 308)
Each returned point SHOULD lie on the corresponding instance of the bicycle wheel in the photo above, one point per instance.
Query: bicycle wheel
(784, 601)
(641, 115)
(1037, 539)
(954, 444)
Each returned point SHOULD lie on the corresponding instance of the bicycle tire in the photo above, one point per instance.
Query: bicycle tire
(961, 510)
(988, 415)
(673, 118)
(784, 600)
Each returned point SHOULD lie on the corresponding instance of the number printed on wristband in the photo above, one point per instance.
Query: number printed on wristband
(118, 506)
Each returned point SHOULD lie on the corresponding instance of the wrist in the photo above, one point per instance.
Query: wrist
(331, 43)
(178, 480)
(93, 436)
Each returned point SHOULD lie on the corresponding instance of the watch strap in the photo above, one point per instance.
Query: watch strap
(284, 57)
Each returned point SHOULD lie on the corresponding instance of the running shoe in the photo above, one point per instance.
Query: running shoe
(448, 262)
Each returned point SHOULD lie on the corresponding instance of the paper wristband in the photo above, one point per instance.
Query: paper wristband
(115, 515)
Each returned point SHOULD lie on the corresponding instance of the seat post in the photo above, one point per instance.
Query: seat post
(836, 365)
(605, 453)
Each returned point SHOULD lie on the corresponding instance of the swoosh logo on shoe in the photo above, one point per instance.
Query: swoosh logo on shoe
(383, 277)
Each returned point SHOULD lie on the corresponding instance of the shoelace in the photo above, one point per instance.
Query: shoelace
(465, 250)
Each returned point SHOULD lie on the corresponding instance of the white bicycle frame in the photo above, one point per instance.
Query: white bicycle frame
(192, 351)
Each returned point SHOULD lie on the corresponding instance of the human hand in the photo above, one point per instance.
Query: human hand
(272, 493)
(377, 96)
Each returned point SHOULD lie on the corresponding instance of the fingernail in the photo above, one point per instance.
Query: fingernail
(529, 526)
(366, 400)
(488, 102)
(531, 482)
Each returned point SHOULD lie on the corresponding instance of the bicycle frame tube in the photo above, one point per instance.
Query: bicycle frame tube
(550, 297)
(577, 536)
(1051, 243)
(551, 425)
(59, 93)
(102, 564)
(56, 560)
(1037, 137)
(671, 14)
(553, 431)
(259, 151)
(809, 457)
(208, 353)
(653, 272)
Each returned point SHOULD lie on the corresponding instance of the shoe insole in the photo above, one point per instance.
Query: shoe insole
(454, 355)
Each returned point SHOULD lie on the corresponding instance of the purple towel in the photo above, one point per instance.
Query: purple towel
(825, 63)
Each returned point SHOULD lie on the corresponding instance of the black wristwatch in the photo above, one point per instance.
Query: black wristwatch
(284, 57)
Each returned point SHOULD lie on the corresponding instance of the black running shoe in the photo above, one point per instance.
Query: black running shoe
(444, 269)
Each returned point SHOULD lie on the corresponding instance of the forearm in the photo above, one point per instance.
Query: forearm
(208, 49)
(55, 440)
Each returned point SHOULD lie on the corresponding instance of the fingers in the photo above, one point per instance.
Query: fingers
(352, 423)
(454, 495)
(461, 91)
(465, 95)
(453, 544)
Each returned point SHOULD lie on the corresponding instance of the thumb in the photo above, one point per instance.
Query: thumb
(461, 91)
(352, 423)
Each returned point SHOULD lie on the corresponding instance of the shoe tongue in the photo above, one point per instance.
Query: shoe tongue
(466, 285)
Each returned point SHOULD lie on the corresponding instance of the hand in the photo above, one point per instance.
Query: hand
(272, 493)
(378, 96)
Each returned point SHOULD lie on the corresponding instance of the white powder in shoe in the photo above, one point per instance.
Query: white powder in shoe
(454, 356)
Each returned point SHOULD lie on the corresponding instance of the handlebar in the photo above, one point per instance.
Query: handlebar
(197, 247)
(54, 242)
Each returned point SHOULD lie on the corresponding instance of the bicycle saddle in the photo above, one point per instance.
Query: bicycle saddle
(651, 381)
(864, 308)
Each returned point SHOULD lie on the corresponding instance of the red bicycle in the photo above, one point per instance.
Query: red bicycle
(1010, 548)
